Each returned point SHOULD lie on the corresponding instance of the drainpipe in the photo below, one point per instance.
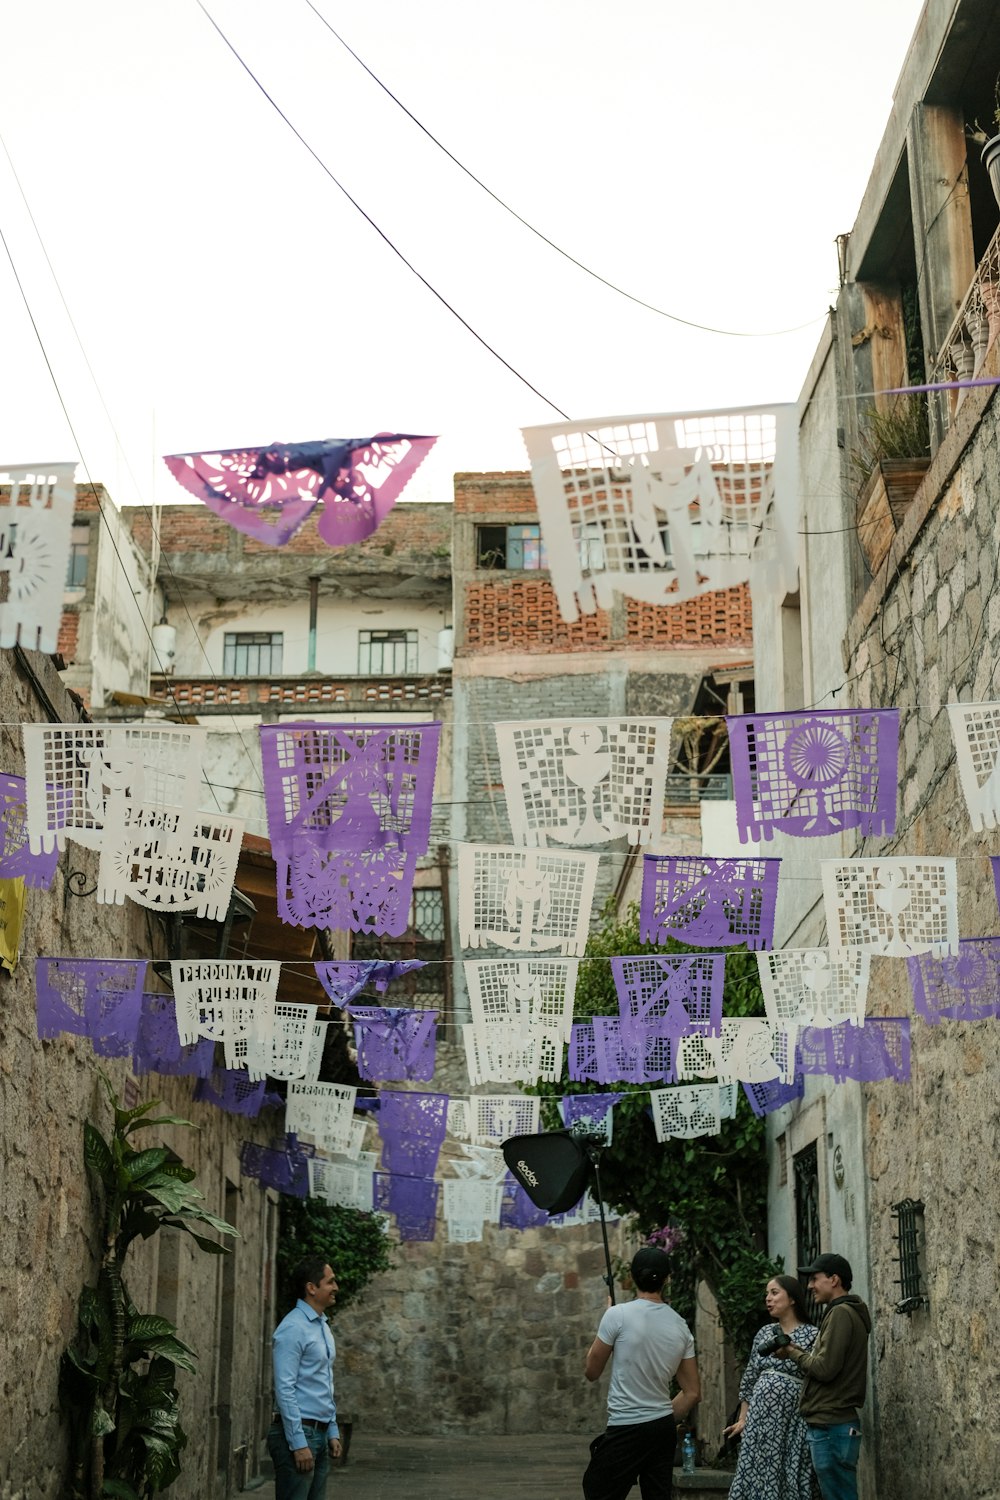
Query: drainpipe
(313, 611)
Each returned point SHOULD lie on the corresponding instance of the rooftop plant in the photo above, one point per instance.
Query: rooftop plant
(901, 430)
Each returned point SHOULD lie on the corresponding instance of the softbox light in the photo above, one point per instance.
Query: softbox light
(554, 1169)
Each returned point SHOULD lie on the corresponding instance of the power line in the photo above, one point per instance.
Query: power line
(154, 531)
(612, 286)
(380, 232)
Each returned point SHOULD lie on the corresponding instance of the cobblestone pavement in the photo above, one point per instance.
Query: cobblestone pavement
(457, 1468)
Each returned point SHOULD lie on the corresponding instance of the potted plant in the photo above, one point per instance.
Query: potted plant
(891, 459)
(989, 141)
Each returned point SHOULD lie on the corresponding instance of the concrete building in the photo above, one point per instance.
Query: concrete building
(246, 634)
(110, 603)
(897, 607)
(516, 658)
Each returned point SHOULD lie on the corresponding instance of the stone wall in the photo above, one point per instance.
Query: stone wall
(933, 637)
(488, 1337)
(49, 1224)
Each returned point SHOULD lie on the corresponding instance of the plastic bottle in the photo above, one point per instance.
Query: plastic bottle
(689, 1453)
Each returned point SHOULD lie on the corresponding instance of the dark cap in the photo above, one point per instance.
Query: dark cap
(650, 1268)
(830, 1265)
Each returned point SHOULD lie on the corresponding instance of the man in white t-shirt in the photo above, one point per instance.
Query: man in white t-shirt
(652, 1346)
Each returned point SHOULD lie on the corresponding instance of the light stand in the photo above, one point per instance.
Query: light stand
(594, 1143)
(553, 1169)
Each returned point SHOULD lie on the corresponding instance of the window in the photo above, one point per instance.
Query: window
(425, 938)
(387, 653)
(251, 653)
(591, 546)
(514, 547)
(808, 1232)
(909, 1237)
(79, 549)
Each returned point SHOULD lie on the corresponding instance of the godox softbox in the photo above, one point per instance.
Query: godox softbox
(554, 1170)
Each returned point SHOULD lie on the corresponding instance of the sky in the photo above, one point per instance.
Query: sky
(179, 273)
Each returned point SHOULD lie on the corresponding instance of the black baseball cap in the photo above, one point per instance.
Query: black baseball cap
(830, 1265)
(650, 1268)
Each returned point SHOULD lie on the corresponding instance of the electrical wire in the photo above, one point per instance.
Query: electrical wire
(69, 422)
(380, 232)
(612, 286)
(148, 510)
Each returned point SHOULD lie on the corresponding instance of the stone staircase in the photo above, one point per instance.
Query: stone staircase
(703, 1484)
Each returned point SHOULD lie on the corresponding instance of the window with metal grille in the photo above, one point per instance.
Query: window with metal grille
(387, 653)
(518, 548)
(808, 1234)
(909, 1236)
(252, 653)
(425, 938)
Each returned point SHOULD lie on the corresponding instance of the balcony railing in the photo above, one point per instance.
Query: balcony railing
(975, 328)
(256, 695)
(687, 791)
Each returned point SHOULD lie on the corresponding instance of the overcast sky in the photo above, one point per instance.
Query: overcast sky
(702, 156)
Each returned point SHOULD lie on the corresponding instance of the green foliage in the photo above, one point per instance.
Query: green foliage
(117, 1381)
(740, 1295)
(901, 430)
(353, 1243)
(713, 1189)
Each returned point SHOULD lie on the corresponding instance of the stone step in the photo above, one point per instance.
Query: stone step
(703, 1484)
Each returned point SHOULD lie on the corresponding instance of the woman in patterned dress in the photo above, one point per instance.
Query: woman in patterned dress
(774, 1462)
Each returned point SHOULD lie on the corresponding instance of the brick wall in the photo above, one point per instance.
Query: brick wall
(69, 634)
(523, 616)
(722, 617)
(424, 529)
(182, 528)
(510, 494)
(518, 611)
(91, 498)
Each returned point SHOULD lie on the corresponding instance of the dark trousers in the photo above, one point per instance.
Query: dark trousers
(623, 1455)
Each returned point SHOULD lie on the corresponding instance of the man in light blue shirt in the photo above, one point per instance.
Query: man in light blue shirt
(304, 1435)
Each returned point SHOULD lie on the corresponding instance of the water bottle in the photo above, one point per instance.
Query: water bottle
(688, 1453)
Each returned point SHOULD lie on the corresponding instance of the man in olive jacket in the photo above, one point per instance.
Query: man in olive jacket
(836, 1377)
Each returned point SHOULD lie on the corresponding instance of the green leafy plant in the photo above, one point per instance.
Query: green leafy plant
(711, 1191)
(352, 1242)
(739, 1292)
(901, 430)
(118, 1378)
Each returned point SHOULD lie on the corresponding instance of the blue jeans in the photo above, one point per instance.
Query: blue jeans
(289, 1484)
(835, 1453)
